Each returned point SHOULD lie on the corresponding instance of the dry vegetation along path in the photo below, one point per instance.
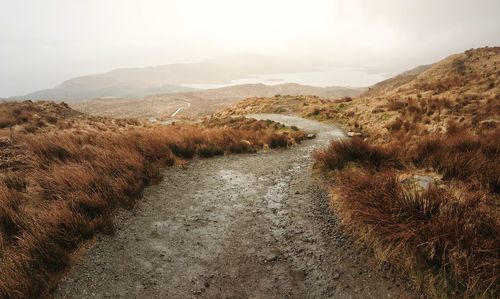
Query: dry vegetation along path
(252, 225)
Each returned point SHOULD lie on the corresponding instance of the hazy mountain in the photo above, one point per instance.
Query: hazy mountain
(83, 88)
(141, 82)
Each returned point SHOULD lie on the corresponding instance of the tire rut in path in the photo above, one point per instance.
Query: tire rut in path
(251, 225)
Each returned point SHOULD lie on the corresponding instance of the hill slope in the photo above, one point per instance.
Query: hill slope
(421, 189)
(472, 72)
(394, 82)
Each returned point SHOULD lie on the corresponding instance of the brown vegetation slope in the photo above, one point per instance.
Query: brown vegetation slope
(471, 72)
(63, 172)
(443, 123)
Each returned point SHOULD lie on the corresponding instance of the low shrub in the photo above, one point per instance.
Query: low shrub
(277, 140)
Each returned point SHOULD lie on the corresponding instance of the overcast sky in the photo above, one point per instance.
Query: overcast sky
(43, 43)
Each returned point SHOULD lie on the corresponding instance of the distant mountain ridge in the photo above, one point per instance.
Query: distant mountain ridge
(73, 90)
(144, 81)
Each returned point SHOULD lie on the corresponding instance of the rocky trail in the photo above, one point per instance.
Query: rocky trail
(252, 225)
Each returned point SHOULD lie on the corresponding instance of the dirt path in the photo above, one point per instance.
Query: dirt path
(253, 225)
(180, 108)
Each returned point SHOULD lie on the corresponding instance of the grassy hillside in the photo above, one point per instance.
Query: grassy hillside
(420, 187)
(440, 126)
(392, 83)
(468, 73)
(63, 172)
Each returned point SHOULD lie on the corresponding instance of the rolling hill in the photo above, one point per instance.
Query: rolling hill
(202, 102)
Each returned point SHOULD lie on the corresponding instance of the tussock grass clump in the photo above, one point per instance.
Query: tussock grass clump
(59, 187)
(395, 104)
(341, 152)
(464, 156)
(449, 240)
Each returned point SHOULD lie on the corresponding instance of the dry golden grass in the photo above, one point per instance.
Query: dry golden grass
(446, 236)
(340, 153)
(60, 182)
(447, 239)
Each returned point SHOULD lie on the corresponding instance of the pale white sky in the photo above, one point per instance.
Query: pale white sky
(43, 43)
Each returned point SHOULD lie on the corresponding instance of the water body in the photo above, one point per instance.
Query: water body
(353, 77)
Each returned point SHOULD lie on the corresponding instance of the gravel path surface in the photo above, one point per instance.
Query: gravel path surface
(239, 226)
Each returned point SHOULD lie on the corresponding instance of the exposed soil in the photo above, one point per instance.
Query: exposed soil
(253, 225)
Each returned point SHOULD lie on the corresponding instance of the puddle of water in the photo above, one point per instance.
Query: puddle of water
(167, 122)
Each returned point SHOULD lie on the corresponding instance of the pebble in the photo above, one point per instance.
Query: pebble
(271, 257)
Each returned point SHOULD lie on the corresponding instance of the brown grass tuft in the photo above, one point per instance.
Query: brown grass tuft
(453, 237)
(463, 156)
(341, 152)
